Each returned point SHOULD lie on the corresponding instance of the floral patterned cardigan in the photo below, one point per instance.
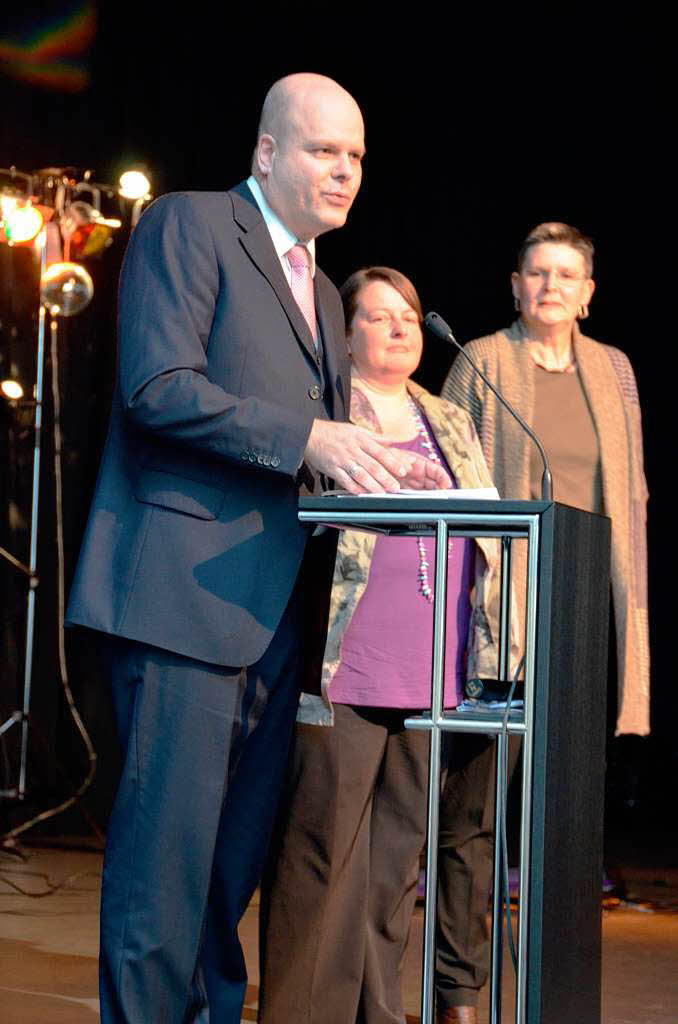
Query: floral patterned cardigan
(456, 436)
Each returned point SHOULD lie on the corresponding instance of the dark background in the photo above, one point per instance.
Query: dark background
(475, 133)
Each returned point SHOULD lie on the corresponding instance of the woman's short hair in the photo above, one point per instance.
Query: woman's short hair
(354, 284)
(564, 234)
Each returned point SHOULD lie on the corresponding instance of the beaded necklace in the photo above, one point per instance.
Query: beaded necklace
(427, 444)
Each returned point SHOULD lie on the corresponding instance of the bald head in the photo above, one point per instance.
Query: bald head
(308, 154)
(289, 96)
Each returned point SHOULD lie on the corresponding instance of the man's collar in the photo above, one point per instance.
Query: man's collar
(281, 236)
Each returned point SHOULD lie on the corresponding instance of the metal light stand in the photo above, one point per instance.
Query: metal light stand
(59, 192)
(22, 716)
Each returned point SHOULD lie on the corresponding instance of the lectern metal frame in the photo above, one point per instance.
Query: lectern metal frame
(455, 518)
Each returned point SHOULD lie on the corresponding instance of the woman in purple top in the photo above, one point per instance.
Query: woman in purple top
(337, 904)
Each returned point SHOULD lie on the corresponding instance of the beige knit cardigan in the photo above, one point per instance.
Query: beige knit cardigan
(610, 388)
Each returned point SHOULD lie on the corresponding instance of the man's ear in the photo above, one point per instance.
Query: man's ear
(265, 153)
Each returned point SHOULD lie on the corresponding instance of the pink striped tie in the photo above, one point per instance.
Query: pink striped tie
(302, 285)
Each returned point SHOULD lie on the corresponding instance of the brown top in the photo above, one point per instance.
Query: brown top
(563, 423)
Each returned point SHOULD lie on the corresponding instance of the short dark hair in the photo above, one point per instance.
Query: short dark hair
(564, 234)
(353, 285)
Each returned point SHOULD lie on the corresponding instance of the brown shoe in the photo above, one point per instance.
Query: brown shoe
(458, 1015)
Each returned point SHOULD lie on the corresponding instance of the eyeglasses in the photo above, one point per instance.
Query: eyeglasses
(562, 278)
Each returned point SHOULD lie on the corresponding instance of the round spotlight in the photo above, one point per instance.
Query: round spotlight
(134, 185)
(22, 224)
(66, 288)
(11, 389)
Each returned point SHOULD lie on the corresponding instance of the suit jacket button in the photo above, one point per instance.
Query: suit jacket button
(266, 460)
(314, 392)
(243, 456)
(260, 460)
(275, 461)
(252, 457)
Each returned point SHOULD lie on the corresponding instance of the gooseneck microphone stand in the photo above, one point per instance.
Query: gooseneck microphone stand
(437, 326)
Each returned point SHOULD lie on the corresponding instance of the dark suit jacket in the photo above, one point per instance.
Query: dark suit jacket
(193, 542)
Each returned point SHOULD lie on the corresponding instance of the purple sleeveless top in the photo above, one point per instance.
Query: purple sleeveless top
(387, 649)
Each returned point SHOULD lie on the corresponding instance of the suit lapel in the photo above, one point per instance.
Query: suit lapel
(256, 241)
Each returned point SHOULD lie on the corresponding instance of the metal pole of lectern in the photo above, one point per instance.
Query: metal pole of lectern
(524, 525)
(526, 796)
(438, 724)
(437, 701)
(500, 791)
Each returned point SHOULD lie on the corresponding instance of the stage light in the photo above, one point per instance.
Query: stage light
(11, 389)
(134, 185)
(21, 222)
(65, 289)
(85, 231)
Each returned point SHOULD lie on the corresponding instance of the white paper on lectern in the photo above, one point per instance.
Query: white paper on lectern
(455, 494)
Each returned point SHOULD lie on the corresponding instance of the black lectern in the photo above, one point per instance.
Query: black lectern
(562, 726)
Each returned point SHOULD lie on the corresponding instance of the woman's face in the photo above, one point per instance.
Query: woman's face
(385, 336)
(552, 285)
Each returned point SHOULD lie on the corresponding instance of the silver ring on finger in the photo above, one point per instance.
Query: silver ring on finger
(352, 469)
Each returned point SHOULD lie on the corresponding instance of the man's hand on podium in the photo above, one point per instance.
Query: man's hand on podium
(361, 464)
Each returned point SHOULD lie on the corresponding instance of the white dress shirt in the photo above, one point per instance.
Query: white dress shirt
(281, 236)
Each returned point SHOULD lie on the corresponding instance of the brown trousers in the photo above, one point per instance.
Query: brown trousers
(338, 895)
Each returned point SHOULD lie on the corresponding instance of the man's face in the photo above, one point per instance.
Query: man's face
(312, 171)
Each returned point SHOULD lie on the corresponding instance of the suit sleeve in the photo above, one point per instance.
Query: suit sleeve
(168, 293)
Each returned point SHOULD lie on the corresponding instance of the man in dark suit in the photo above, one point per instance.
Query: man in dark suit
(229, 381)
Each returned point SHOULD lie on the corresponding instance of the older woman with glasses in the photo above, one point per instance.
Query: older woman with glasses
(580, 397)
(338, 900)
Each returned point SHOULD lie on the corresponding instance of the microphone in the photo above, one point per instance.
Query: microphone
(437, 326)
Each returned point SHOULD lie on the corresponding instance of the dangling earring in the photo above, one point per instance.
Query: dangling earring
(516, 303)
(582, 312)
